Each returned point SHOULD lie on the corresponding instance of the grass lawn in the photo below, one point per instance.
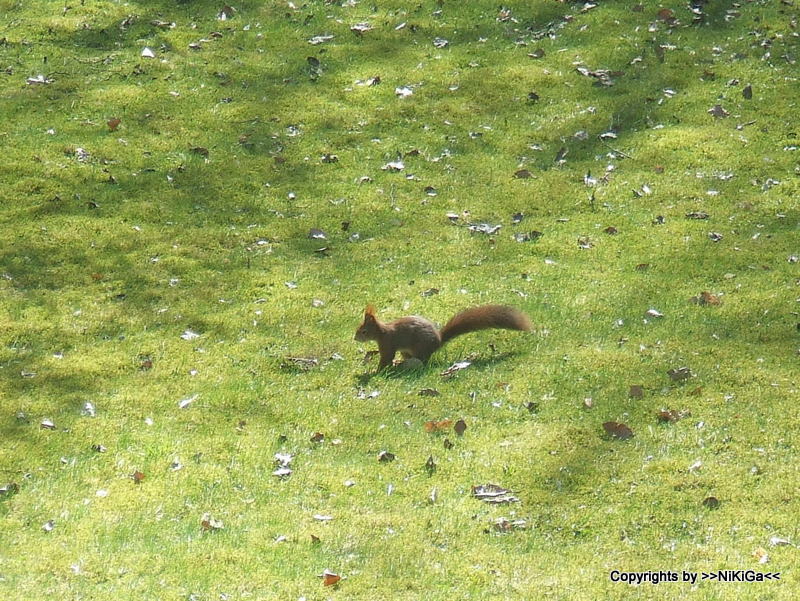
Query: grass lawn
(197, 201)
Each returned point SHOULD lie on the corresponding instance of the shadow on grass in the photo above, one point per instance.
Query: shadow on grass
(399, 372)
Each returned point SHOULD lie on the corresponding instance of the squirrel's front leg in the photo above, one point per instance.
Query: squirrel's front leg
(387, 357)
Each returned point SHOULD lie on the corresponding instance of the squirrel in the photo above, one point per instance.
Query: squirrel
(417, 337)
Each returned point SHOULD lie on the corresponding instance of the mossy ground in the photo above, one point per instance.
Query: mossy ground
(194, 213)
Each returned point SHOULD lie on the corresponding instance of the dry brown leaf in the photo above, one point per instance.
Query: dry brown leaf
(330, 578)
(706, 298)
(209, 522)
(618, 430)
(671, 415)
(438, 426)
(679, 374)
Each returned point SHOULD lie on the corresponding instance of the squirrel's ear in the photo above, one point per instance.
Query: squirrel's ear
(370, 310)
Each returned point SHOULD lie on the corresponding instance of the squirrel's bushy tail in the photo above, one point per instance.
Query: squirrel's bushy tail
(485, 317)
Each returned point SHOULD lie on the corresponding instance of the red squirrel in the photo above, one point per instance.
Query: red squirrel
(415, 336)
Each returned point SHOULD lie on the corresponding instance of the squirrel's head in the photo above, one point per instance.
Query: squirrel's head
(367, 329)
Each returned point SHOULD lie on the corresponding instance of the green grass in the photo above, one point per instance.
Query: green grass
(194, 214)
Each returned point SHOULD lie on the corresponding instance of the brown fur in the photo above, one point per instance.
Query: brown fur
(415, 336)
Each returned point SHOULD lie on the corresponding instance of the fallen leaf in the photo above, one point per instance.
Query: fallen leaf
(283, 459)
(503, 524)
(747, 92)
(430, 465)
(680, 373)
(448, 444)
(300, 363)
(208, 522)
(361, 28)
(317, 437)
(162, 24)
(385, 457)
(531, 236)
(706, 298)
(184, 403)
(665, 14)
(397, 165)
(329, 578)
(319, 39)
(493, 493)
(761, 555)
(718, 112)
(226, 13)
(429, 392)
(113, 124)
(460, 427)
(455, 367)
(776, 541)
(671, 415)
(138, 477)
(38, 79)
(636, 392)
(523, 174)
(484, 228)
(9, 489)
(438, 426)
(618, 430)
